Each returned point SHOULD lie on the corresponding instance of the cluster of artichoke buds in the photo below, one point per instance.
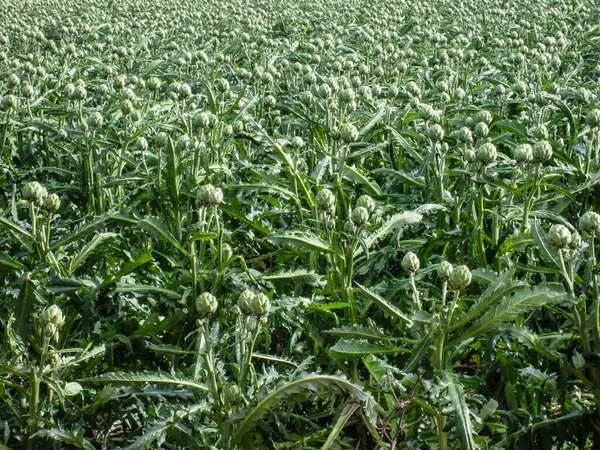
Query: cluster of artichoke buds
(37, 194)
(208, 195)
(365, 206)
(51, 320)
(252, 304)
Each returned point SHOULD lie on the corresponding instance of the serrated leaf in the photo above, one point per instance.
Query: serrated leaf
(307, 385)
(88, 249)
(168, 349)
(157, 228)
(354, 175)
(143, 289)
(455, 393)
(500, 287)
(358, 332)
(514, 306)
(396, 221)
(145, 377)
(298, 276)
(66, 437)
(88, 228)
(384, 304)
(14, 227)
(128, 267)
(544, 247)
(420, 351)
(304, 241)
(25, 307)
(8, 263)
(355, 349)
(72, 389)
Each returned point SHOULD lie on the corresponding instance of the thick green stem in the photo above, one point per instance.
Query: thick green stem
(248, 356)
(529, 201)
(209, 362)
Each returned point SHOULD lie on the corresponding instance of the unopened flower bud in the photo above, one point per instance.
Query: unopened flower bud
(542, 151)
(484, 116)
(523, 153)
(486, 153)
(34, 192)
(52, 314)
(51, 203)
(349, 133)
(260, 305)
(162, 139)
(366, 202)
(445, 270)
(141, 143)
(590, 222)
(435, 132)
(208, 195)
(461, 277)
(410, 262)
(559, 236)
(326, 200)
(465, 135)
(244, 301)
(360, 216)
(206, 304)
(481, 130)
(297, 142)
(232, 393)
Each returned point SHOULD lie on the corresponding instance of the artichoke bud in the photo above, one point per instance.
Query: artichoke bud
(435, 133)
(460, 277)
(445, 270)
(559, 236)
(208, 195)
(34, 192)
(232, 393)
(542, 151)
(51, 203)
(486, 153)
(410, 262)
(52, 315)
(349, 133)
(366, 202)
(590, 222)
(260, 305)
(523, 153)
(162, 139)
(481, 130)
(206, 304)
(465, 135)
(360, 216)
(575, 241)
(326, 201)
(244, 301)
